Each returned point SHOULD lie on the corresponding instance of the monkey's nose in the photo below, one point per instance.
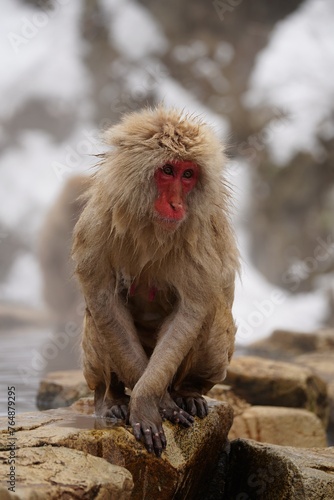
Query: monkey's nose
(176, 205)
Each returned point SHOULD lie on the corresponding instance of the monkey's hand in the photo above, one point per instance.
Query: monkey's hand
(174, 413)
(146, 423)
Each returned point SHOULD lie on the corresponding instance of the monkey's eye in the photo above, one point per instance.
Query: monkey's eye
(168, 170)
(188, 174)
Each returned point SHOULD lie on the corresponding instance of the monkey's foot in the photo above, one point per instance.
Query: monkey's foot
(193, 403)
(174, 413)
(117, 408)
(148, 430)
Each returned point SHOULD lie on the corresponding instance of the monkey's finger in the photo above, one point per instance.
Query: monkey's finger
(124, 411)
(180, 403)
(185, 419)
(148, 439)
(157, 443)
(163, 438)
(202, 407)
(191, 407)
(137, 431)
(178, 416)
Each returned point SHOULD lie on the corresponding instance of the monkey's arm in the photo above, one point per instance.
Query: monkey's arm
(177, 336)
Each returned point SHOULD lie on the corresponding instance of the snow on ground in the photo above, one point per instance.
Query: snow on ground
(295, 73)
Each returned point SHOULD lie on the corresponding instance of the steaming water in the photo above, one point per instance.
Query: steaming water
(17, 350)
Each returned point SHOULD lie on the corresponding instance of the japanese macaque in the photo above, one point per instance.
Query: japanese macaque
(61, 292)
(156, 259)
(54, 250)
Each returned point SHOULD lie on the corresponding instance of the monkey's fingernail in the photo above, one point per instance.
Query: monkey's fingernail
(138, 424)
(147, 431)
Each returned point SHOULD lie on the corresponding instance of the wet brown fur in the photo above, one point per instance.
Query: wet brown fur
(182, 341)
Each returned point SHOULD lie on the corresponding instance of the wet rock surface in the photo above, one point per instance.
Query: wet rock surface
(182, 472)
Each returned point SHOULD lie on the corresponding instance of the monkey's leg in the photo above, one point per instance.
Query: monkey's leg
(113, 402)
(120, 351)
(206, 366)
(109, 391)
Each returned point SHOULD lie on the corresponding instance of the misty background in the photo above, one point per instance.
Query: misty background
(262, 74)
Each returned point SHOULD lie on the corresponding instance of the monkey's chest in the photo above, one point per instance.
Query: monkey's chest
(149, 305)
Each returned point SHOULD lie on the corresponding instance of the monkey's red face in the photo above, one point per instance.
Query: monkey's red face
(174, 181)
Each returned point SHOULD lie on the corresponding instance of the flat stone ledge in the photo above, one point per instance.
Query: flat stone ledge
(184, 468)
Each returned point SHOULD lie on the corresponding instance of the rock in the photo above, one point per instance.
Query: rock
(61, 388)
(285, 345)
(264, 471)
(323, 365)
(183, 470)
(50, 472)
(271, 424)
(224, 393)
(18, 316)
(275, 383)
(330, 430)
(278, 425)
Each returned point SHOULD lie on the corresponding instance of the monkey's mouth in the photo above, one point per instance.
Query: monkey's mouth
(167, 223)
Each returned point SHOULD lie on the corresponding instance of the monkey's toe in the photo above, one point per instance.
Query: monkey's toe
(117, 410)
